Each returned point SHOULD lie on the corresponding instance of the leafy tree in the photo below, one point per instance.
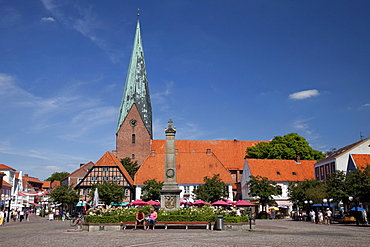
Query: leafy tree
(357, 184)
(286, 147)
(299, 192)
(64, 194)
(151, 190)
(263, 188)
(130, 166)
(335, 186)
(212, 190)
(57, 176)
(108, 192)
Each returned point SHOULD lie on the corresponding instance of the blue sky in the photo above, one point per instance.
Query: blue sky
(249, 70)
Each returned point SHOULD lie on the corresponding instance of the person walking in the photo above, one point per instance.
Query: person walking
(328, 216)
(313, 216)
(21, 215)
(320, 217)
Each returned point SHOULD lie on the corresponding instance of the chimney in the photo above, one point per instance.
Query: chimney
(25, 175)
(208, 151)
(82, 164)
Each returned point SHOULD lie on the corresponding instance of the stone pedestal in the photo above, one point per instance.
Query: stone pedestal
(170, 197)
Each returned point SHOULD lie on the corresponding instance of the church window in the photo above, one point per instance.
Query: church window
(133, 138)
(133, 156)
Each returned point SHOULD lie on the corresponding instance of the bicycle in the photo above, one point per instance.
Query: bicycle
(76, 219)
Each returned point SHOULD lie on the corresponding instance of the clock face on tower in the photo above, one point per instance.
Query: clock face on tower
(133, 122)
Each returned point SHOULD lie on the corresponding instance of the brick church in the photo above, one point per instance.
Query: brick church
(195, 159)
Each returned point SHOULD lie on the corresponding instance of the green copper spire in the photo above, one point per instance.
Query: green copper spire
(136, 88)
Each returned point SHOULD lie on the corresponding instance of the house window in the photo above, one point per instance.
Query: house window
(105, 169)
(127, 192)
(116, 178)
(278, 173)
(186, 189)
(133, 138)
(294, 173)
(94, 178)
(105, 178)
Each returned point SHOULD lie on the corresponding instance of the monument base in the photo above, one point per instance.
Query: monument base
(170, 197)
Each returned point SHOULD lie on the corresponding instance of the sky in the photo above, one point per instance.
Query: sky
(222, 70)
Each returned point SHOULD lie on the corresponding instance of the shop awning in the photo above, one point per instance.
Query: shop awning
(284, 203)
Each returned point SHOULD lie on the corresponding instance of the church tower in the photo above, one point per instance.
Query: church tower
(134, 129)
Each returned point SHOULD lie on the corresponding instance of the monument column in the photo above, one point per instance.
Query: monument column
(170, 193)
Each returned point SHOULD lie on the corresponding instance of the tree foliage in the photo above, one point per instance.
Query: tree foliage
(130, 166)
(64, 194)
(263, 188)
(212, 190)
(299, 192)
(109, 192)
(57, 176)
(151, 190)
(357, 184)
(286, 147)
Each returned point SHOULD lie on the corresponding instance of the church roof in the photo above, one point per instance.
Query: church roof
(136, 87)
(361, 160)
(282, 170)
(191, 168)
(231, 153)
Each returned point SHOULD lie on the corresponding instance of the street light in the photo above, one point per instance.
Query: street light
(351, 199)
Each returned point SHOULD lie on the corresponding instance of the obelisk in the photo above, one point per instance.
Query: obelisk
(170, 193)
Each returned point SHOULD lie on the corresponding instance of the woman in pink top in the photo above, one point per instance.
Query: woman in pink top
(152, 219)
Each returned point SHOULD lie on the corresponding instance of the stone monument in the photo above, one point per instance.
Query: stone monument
(170, 193)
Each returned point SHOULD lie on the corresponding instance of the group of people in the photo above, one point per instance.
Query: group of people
(146, 221)
(322, 218)
(14, 215)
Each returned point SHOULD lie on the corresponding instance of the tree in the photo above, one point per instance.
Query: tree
(263, 188)
(286, 147)
(64, 194)
(300, 191)
(130, 166)
(151, 190)
(108, 192)
(57, 176)
(212, 190)
(357, 184)
(335, 186)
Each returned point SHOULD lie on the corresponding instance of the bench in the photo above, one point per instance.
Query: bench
(347, 219)
(166, 224)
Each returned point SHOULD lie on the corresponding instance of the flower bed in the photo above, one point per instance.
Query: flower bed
(124, 214)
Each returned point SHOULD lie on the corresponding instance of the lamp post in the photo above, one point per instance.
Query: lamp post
(356, 216)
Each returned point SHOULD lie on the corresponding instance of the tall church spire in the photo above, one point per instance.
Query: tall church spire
(136, 88)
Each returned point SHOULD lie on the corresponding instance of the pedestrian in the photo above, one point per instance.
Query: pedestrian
(27, 214)
(21, 215)
(328, 216)
(313, 216)
(14, 215)
(2, 217)
(140, 219)
(152, 219)
(320, 217)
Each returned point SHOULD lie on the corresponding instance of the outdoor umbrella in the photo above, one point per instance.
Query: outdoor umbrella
(200, 202)
(274, 208)
(154, 203)
(220, 203)
(357, 209)
(243, 203)
(138, 203)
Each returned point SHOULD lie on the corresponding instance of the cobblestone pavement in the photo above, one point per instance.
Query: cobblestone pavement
(285, 232)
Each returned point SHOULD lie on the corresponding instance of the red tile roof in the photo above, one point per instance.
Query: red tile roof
(361, 160)
(6, 184)
(230, 153)
(4, 167)
(46, 184)
(108, 159)
(282, 170)
(84, 168)
(191, 167)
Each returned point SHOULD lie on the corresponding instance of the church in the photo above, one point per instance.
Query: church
(195, 159)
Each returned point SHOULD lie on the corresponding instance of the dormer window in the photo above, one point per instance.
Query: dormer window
(294, 173)
(278, 173)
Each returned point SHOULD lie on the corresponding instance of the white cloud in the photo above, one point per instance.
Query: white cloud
(304, 94)
(302, 125)
(47, 19)
(54, 168)
(367, 105)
